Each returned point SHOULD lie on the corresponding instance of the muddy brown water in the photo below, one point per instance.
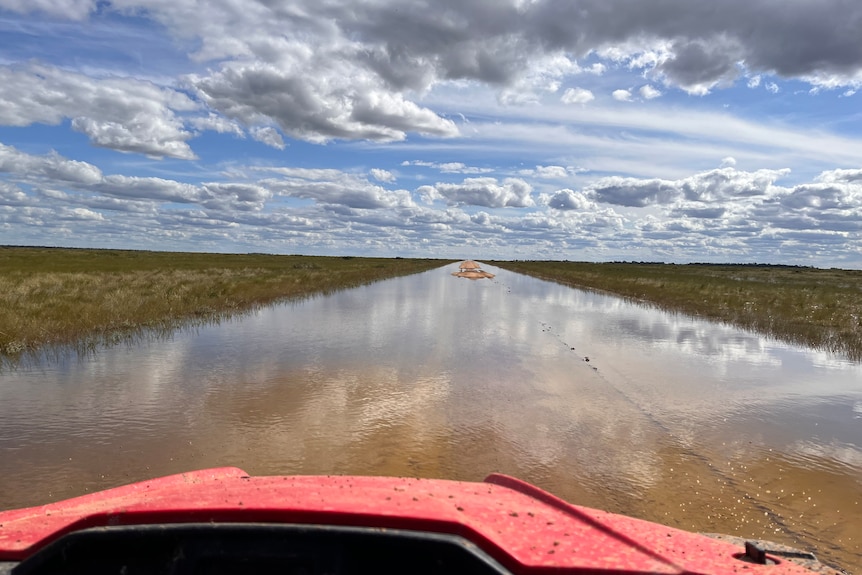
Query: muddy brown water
(600, 401)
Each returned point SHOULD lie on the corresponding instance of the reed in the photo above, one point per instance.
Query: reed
(819, 308)
(55, 297)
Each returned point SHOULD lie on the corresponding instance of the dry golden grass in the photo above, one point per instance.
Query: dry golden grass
(59, 297)
(808, 306)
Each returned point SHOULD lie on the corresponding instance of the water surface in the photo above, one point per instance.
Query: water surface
(600, 401)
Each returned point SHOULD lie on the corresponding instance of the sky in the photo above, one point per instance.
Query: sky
(591, 130)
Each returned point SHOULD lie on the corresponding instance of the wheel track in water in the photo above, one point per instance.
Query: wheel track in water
(728, 480)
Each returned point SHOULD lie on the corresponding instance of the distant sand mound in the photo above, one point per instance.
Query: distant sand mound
(471, 270)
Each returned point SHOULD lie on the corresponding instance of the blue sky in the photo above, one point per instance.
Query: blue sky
(680, 130)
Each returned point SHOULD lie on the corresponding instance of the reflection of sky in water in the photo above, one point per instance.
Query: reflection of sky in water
(435, 326)
(620, 333)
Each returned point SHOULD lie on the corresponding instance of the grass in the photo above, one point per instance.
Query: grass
(54, 297)
(808, 306)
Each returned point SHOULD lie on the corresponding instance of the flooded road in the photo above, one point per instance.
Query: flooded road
(602, 402)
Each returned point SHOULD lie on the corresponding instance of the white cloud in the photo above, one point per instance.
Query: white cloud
(382, 175)
(566, 199)
(487, 192)
(647, 92)
(549, 172)
(848, 176)
(622, 95)
(448, 167)
(714, 185)
(317, 97)
(51, 167)
(772, 87)
(577, 96)
(334, 188)
(243, 197)
(268, 135)
(118, 113)
(218, 124)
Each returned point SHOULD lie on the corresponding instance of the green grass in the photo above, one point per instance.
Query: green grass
(813, 307)
(52, 297)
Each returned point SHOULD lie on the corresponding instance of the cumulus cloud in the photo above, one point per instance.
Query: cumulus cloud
(710, 186)
(235, 196)
(50, 167)
(633, 192)
(12, 195)
(570, 200)
(118, 113)
(849, 176)
(382, 175)
(577, 96)
(50, 173)
(316, 98)
(699, 65)
(647, 92)
(622, 95)
(487, 192)
(334, 188)
(135, 187)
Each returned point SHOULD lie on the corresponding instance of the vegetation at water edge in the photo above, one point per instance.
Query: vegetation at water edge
(86, 297)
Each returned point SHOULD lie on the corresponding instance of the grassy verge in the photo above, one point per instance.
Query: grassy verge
(58, 297)
(813, 307)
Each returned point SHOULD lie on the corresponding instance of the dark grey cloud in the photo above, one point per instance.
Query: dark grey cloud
(820, 197)
(698, 65)
(634, 192)
(701, 42)
(807, 38)
(709, 213)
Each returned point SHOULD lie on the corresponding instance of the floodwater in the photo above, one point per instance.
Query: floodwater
(603, 402)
